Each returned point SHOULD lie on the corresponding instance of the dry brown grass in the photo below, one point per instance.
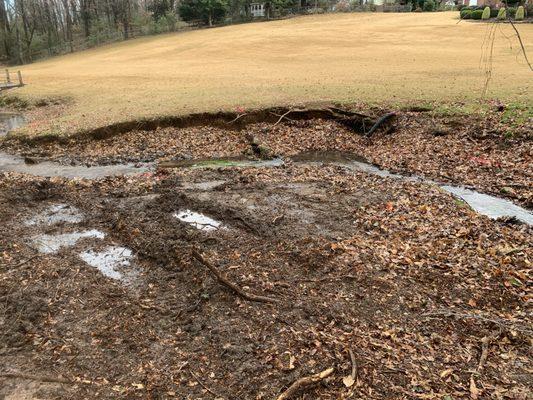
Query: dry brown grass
(383, 58)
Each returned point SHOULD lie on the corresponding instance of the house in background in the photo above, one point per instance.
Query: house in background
(257, 10)
(490, 3)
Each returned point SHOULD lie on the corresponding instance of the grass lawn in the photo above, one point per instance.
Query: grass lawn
(363, 57)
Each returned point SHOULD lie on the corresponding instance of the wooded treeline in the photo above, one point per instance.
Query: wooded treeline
(32, 29)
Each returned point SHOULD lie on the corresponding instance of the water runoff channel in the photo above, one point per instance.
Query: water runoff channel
(484, 204)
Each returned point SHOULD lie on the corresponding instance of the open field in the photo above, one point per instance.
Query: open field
(352, 58)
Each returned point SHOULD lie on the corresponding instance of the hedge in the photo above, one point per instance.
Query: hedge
(519, 16)
(502, 14)
(476, 14)
(466, 14)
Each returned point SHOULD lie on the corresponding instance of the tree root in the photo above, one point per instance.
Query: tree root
(380, 122)
(225, 281)
(304, 383)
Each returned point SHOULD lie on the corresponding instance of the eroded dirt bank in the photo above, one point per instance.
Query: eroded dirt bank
(477, 151)
(430, 297)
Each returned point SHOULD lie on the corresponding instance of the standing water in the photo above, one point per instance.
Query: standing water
(10, 121)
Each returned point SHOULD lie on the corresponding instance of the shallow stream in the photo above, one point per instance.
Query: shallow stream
(490, 206)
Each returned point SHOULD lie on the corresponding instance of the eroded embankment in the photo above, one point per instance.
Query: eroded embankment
(459, 150)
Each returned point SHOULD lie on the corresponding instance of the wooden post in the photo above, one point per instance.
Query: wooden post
(20, 79)
(8, 79)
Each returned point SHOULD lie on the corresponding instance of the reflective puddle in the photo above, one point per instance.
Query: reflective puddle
(113, 262)
(10, 163)
(220, 163)
(199, 221)
(490, 206)
(10, 121)
(49, 244)
(55, 214)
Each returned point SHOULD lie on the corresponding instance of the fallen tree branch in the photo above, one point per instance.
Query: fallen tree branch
(225, 281)
(304, 383)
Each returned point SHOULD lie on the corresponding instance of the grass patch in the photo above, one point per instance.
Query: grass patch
(345, 58)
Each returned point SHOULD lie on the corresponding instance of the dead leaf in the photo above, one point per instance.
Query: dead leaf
(348, 381)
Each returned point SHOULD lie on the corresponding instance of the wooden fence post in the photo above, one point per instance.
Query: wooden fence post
(20, 79)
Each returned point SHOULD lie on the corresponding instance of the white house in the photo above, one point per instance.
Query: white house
(257, 9)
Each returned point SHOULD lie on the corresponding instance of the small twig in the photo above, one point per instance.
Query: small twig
(31, 377)
(521, 43)
(222, 279)
(354, 364)
(20, 264)
(236, 118)
(485, 343)
(203, 385)
(305, 382)
(284, 115)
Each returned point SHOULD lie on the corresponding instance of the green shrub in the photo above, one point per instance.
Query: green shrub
(486, 13)
(476, 14)
(511, 12)
(519, 16)
(502, 14)
(494, 12)
(429, 5)
(460, 7)
(466, 14)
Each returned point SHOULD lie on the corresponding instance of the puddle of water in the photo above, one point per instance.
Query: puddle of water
(49, 244)
(490, 206)
(113, 262)
(10, 163)
(199, 221)
(10, 121)
(221, 162)
(55, 214)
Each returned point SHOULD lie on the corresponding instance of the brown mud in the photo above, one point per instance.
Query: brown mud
(410, 282)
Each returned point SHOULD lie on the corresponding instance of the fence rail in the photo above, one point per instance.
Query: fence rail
(8, 82)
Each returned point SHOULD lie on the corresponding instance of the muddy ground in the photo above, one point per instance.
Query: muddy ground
(432, 300)
(403, 276)
(478, 151)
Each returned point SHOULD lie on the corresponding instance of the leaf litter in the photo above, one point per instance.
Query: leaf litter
(397, 288)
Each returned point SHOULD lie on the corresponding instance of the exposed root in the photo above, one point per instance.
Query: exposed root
(380, 122)
(225, 281)
(304, 383)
